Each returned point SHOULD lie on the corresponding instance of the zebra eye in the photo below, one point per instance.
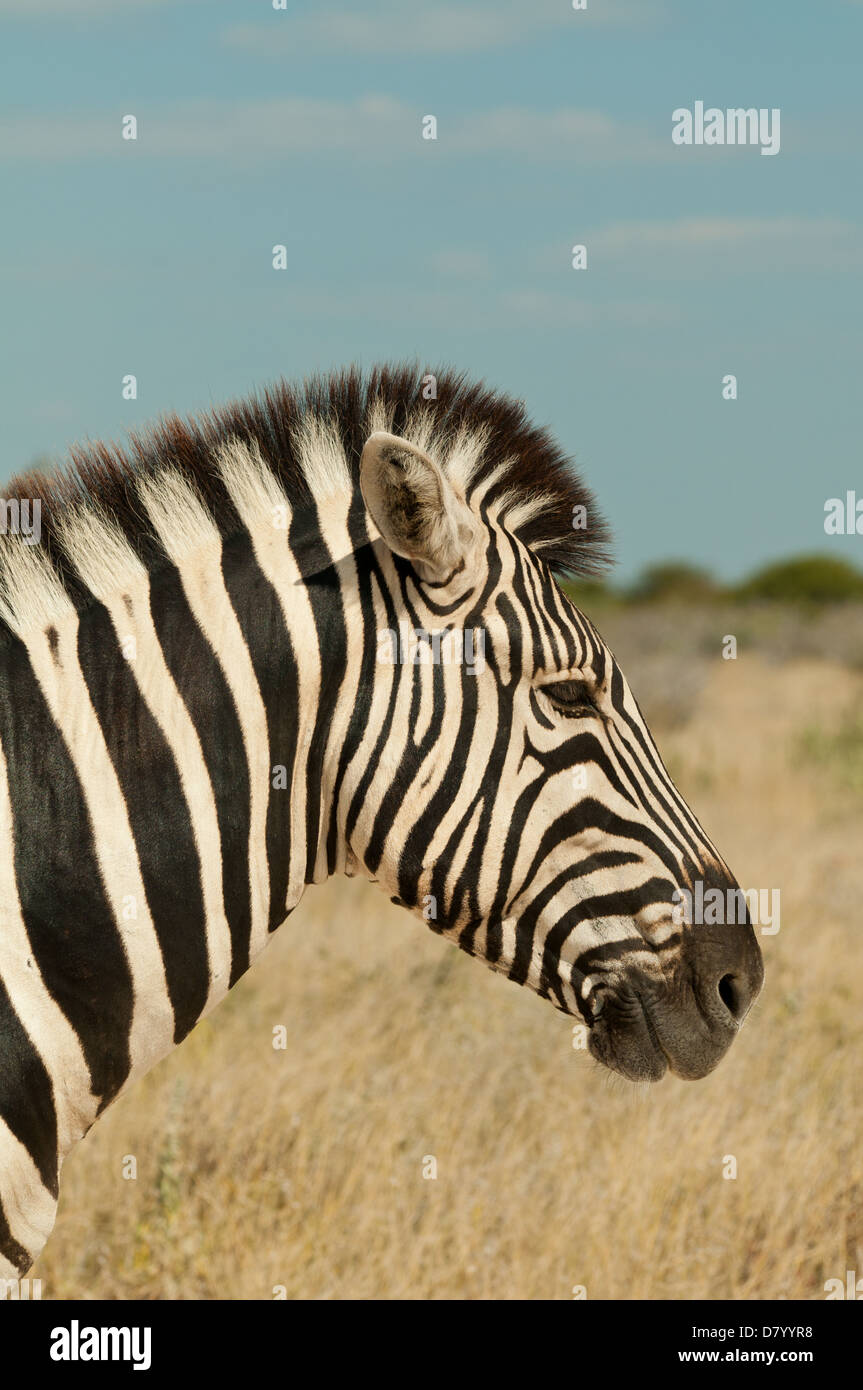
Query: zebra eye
(571, 697)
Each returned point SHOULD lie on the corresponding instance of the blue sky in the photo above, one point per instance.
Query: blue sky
(302, 127)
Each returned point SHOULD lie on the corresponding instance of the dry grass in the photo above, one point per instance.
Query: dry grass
(304, 1167)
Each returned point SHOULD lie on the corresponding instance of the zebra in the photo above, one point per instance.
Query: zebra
(199, 716)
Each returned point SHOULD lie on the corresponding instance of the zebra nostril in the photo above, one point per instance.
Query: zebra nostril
(732, 996)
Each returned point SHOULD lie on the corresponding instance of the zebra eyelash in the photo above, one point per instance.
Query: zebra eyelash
(571, 698)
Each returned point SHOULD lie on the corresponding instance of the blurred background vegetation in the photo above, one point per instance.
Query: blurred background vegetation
(804, 579)
(670, 626)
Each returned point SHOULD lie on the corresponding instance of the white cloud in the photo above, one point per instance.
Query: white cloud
(372, 127)
(399, 29)
(723, 244)
(217, 129)
(560, 310)
(584, 137)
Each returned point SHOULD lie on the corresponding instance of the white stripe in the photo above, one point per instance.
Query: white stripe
(105, 560)
(262, 505)
(193, 542)
(28, 1206)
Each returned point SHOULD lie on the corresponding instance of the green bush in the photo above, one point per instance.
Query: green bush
(808, 579)
(674, 581)
(589, 593)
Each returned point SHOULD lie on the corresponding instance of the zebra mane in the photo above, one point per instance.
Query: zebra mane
(311, 437)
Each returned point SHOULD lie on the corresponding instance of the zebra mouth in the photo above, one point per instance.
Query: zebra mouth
(624, 1039)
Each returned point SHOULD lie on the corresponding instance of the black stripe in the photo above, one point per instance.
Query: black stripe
(610, 952)
(323, 589)
(527, 922)
(9, 1247)
(564, 613)
(602, 906)
(75, 939)
(582, 748)
(412, 753)
(537, 659)
(265, 633)
(463, 897)
(690, 840)
(158, 815)
(544, 607)
(207, 696)
(367, 565)
(361, 697)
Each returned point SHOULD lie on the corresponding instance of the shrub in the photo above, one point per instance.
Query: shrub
(807, 579)
(588, 593)
(674, 581)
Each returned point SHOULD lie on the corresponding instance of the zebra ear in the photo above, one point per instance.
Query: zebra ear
(415, 507)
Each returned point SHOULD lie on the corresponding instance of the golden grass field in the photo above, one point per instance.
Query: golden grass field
(303, 1168)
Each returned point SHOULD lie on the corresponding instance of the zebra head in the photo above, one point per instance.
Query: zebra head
(528, 815)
